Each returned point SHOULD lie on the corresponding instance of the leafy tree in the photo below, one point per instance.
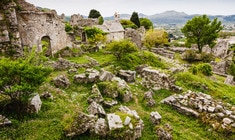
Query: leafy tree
(94, 14)
(95, 35)
(121, 48)
(128, 24)
(135, 19)
(155, 38)
(19, 79)
(146, 23)
(100, 20)
(202, 31)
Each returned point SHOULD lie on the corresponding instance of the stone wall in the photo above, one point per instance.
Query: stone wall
(22, 24)
(78, 20)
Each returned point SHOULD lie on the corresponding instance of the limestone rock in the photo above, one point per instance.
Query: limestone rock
(114, 121)
(133, 113)
(126, 96)
(35, 104)
(106, 76)
(227, 121)
(229, 80)
(81, 124)
(96, 109)
(127, 120)
(101, 127)
(90, 76)
(110, 103)
(127, 75)
(155, 118)
(96, 95)
(163, 134)
(61, 81)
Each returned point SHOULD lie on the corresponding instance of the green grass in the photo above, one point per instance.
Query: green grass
(58, 114)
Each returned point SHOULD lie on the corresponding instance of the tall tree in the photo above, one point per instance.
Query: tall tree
(94, 14)
(135, 19)
(202, 31)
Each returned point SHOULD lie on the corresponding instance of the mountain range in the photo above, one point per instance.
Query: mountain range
(174, 17)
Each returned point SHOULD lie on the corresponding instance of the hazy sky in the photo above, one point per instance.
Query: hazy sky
(148, 7)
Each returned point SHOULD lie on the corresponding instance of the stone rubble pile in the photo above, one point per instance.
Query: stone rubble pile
(200, 105)
(164, 52)
(155, 79)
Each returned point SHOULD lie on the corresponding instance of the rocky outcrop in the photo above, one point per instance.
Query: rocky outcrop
(96, 95)
(61, 81)
(220, 67)
(106, 76)
(164, 52)
(134, 35)
(203, 106)
(101, 127)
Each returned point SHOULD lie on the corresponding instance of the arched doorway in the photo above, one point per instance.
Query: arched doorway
(46, 46)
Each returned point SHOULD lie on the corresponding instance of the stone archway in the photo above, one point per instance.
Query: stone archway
(46, 46)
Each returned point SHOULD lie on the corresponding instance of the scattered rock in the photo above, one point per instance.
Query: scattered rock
(81, 124)
(106, 76)
(229, 80)
(96, 109)
(114, 121)
(110, 103)
(163, 134)
(133, 113)
(155, 118)
(61, 81)
(47, 95)
(127, 75)
(96, 95)
(90, 76)
(127, 120)
(35, 104)
(101, 127)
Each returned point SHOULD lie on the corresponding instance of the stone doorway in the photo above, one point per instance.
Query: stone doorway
(46, 46)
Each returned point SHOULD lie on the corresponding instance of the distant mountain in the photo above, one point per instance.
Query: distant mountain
(174, 17)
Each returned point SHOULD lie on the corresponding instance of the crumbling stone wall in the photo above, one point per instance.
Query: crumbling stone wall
(22, 24)
(78, 20)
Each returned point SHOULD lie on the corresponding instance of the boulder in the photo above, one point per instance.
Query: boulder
(127, 75)
(155, 118)
(127, 120)
(106, 76)
(81, 124)
(96, 109)
(114, 121)
(90, 76)
(96, 95)
(148, 94)
(133, 113)
(101, 127)
(35, 104)
(61, 81)
(126, 96)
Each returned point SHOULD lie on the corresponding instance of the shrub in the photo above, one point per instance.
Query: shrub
(231, 69)
(121, 48)
(207, 57)
(68, 27)
(204, 68)
(190, 56)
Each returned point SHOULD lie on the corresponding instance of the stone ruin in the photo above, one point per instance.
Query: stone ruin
(22, 24)
(203, 106)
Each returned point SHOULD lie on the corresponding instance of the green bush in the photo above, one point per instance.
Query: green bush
(231, 70)
(204, 68)
(68, 27)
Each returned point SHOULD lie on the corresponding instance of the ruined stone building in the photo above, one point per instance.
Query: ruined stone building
(23, 25)
(114, 30)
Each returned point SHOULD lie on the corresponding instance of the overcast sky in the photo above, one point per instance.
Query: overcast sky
(148, 7)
